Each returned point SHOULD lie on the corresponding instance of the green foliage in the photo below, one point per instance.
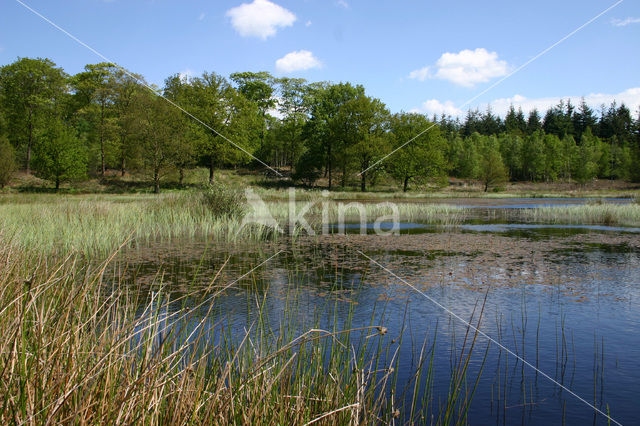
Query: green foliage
(585, 160)
(309, 167)
(533, 157)
(7, 161)
(492, 170)
(221, 201)
(30, 90)
(61, 155)
(321, 130)
(94, 98)
(424, 157)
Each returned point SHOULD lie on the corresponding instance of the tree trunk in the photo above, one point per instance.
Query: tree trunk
(406, 184)
(181, 175)
(486, 186)
(102, 170)
(156, 181)
(29, 142)
(344, 174)
(329, 166)
(123, 168)
(57, 183)
(363, 182)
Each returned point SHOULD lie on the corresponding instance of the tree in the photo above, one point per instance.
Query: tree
(533, 122)
(7, 161)
(511, 146)
(321, 132)
(61, 155)
(467, 158)
(585, 160)
(309, 167)
(191, 134)
(293, 105)
(558, 120)
(29, 90)
(583, 119)
(490, 124)
(231, 116)
(159, 130)
(533, 157)
(424, 157)
(127, 85)
(95, 93)
(360, 126)
(514, 122)
(492, 169)
(553, 157)
(257, 87)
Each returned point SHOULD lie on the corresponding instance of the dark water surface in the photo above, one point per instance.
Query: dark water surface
(567, 299)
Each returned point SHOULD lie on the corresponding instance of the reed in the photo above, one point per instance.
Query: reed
(601, 214)
(83, 344)
(96, 224)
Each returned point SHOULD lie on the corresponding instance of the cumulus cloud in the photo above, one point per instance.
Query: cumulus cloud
(299, 60)
(465, 68)
(624, 22)
(434, 106)
(343, 3)
(630, 97)
(261, 18)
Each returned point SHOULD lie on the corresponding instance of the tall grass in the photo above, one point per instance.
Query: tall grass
(97, 224)
(604, 214)
(81, 345)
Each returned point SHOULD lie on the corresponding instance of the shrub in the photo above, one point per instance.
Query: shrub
(222, 201)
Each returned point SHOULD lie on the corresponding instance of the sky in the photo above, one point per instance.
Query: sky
(416, 55)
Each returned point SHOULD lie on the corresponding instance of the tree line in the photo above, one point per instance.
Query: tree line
(71, 127)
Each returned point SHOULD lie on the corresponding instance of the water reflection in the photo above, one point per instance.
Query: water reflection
(568, 304)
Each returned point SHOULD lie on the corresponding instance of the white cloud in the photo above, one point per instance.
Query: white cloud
(624, 22)
(434, 106)
(343, 3)
(630, 97)
(422, 74)
(201, 17)
(465, 68)
(297, 61)
(261, 18)
(307, 24)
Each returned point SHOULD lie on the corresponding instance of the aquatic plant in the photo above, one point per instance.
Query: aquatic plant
(605, 214)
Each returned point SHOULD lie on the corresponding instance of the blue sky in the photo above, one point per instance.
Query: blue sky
(428, 56)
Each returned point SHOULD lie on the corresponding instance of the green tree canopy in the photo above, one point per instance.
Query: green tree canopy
(29, 90)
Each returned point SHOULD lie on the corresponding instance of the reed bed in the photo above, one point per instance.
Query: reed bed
(600, 214)
(83, 345)
(97, 224)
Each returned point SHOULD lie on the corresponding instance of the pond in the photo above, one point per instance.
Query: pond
(563, 298)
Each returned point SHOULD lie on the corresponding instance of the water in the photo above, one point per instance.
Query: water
(565, 298)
